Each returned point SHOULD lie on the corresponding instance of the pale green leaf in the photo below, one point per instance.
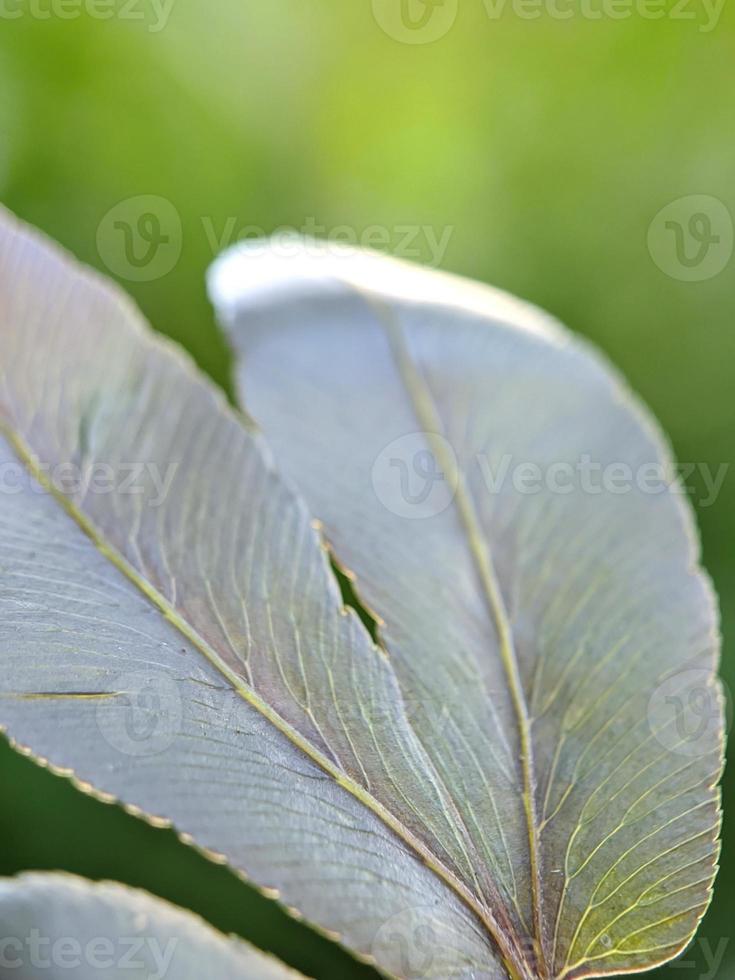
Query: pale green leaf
(172, 637)
(508, 513)
(60, 926)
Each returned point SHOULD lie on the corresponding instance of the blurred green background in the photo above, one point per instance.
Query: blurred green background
(541, 149)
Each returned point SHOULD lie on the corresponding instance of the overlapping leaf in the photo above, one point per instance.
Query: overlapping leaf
(60, 926)
(510, 518)
(173, 636)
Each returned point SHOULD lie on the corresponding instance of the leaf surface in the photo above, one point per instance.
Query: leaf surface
(66, 927)
(173, 637)
(509, 515)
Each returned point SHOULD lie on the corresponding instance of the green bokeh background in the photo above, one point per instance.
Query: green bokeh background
(544, 146)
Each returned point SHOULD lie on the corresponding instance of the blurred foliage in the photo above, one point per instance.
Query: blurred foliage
(543, 148)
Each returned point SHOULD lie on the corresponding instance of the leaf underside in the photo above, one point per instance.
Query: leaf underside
(497, 777)
(557, 641)
(84, 930)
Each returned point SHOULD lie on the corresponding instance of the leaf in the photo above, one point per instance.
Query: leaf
(481, 478)
(63, 926)
(173, 636)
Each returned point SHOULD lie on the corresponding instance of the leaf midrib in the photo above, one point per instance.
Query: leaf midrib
(517, 969)
(429, 419)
